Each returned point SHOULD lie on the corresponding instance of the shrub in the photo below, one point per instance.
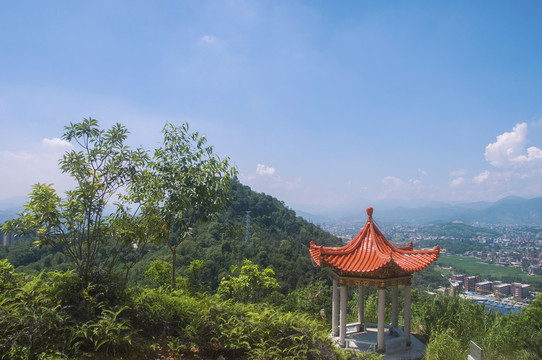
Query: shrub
(32, 325)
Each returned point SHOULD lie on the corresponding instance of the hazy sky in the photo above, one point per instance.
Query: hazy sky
(316, 102)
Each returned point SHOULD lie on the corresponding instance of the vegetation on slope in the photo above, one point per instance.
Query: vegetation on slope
(450, 323)
(58, 316)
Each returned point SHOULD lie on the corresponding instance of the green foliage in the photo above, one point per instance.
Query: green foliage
(32, 325)
(261, 332)
(526, 327)
(160, 310)
(429, 278)
(445, 346)
(452, 322)
(57, 315)
(250, 284)
(8, 278)
(194, 280)
(279, 240)
(107, 330)
(187, 183)
(310, 299)
(82, 300)
(465, 318)
(233, 329)
(77, 226)
(160, 273)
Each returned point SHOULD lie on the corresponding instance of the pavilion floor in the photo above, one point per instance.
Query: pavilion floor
(395, 348)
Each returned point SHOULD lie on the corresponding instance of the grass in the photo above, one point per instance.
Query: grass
(473, 266)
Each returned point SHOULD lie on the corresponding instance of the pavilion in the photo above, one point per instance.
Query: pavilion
(369, 259)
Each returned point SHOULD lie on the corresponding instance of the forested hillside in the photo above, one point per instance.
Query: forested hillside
(279, 240)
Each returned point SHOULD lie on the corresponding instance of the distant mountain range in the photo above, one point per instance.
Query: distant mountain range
(510, 210)
(9, 208)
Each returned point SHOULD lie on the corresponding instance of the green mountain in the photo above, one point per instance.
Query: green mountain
(278, 239)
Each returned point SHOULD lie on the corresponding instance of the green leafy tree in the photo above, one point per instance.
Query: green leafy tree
(526, 327)
(187, 183)
(251, 284)
(77, 225)
(160, 273)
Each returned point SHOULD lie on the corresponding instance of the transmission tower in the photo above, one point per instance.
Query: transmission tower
(247, 228)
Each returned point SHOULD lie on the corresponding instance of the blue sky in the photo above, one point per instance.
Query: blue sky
(316, 102)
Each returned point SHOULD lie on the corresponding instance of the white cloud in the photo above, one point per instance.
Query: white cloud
(265, 180)
(56, 143)
(209, 39)
(415, 184)
(394, 187)
(22, 169)
(423, 173)
(509, 149)
(392, 182)
(459, 172)
(457, 181)
(264, 170)
(480, 178)
(212, 41)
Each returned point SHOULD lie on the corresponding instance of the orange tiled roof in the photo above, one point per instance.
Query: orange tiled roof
(370, 252)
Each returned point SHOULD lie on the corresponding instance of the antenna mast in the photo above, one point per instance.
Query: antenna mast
(247, 228)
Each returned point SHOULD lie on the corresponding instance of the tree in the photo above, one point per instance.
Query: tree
(250, 284)
(187, 183)
(77, 225)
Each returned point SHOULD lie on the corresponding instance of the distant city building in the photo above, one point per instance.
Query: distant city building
(484, 288)
(535, 269)
(520, 291)
(502, 289)
(470, 282)
(456, 288)
(459, 278)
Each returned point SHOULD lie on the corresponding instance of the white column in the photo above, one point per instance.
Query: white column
(407, 314)
(361, 308)
(381, 319)
(335, 309)
(342, 323)
(394, 306)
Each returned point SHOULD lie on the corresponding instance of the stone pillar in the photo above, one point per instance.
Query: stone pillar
(342, 323)
(361, 308)
(407, 314)
(335, 309)
(381, 346)
(394, 306)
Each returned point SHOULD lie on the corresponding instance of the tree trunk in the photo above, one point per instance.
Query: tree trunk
(174, 267)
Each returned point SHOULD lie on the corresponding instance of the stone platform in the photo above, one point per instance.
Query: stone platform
(396, 348)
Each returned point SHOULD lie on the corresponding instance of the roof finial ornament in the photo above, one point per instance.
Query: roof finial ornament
(370, 213)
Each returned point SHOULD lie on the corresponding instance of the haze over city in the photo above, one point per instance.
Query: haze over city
(317, 103)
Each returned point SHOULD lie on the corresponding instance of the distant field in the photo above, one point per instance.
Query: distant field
(472, 266)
